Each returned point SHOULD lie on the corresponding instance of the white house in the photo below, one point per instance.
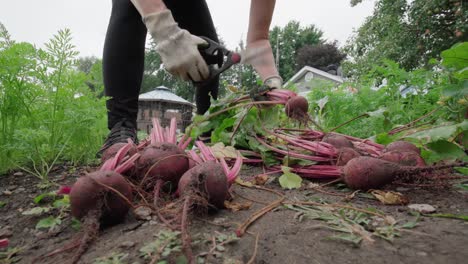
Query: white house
(304, 79)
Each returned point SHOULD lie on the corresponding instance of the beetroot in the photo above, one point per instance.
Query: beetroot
(202, 186)
(208, 180)
(405, 158)
(101, 197)
(112, 150)
(161, 161)
(297, 107)
(206, 184)
(98, 198)
(371, 173)
(345, 155)
(338, 141)
(402, 146)
(96, 186)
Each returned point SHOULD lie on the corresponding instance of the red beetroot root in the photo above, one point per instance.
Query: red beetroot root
(94, 200)
(345, 155)
(338, 141)
(404, 158)
(402, 146)
(298, 108)
(207, 180)
(161, 161)
(371, 173)
(112, 150)
(95, 187)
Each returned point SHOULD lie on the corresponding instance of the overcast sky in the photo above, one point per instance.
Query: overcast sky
(37, 21)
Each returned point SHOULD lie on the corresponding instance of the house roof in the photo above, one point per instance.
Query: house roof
(307, 69)
(162, 93)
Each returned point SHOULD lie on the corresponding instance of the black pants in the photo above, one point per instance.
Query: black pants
(124, 53)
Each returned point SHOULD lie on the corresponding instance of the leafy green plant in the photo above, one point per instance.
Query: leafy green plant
(48, 114)
(426, 106)
(166, 244)
(113, 258)
(11, 255)
(217, 244)
(60, 208)
(353, 226)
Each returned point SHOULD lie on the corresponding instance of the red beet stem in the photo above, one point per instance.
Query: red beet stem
(322, 148)
(292, 154)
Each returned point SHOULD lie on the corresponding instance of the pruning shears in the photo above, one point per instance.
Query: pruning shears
(218, 59)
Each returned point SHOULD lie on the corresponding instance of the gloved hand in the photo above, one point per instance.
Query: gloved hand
(177, 47)
(259, 55)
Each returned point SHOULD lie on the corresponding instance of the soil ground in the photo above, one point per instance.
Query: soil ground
(284, 235)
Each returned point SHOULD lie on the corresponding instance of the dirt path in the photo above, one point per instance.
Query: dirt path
(285, 235)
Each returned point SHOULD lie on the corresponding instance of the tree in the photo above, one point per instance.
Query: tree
(86, 63)
(92, 67)
(319, 56)
(288, 41)
(408, 32)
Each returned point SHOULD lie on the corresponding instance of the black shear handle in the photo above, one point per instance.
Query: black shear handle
(214, 54)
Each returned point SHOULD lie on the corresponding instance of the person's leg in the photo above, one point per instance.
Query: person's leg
(123, 62)
(195, 17)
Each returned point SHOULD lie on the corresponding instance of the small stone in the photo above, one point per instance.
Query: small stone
(143, 213)
(422, 254)
(12, 187)
(422, 208)
(19, 173)
(402, 189)
(7, 193)
(127, 244)
(20, 189)
(152, 222)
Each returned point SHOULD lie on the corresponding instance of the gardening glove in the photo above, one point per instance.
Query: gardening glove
(259, 55)
(177, 47)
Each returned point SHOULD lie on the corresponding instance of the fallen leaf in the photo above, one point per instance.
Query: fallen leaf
(289, 180)
(221, 151)
(390, 197)
(261, 179)
(235, 206)
(243, 183)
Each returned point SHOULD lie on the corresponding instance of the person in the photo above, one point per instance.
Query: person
(175, 27)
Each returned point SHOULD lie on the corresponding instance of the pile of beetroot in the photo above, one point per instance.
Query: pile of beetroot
(160, 173)
(360, 164)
